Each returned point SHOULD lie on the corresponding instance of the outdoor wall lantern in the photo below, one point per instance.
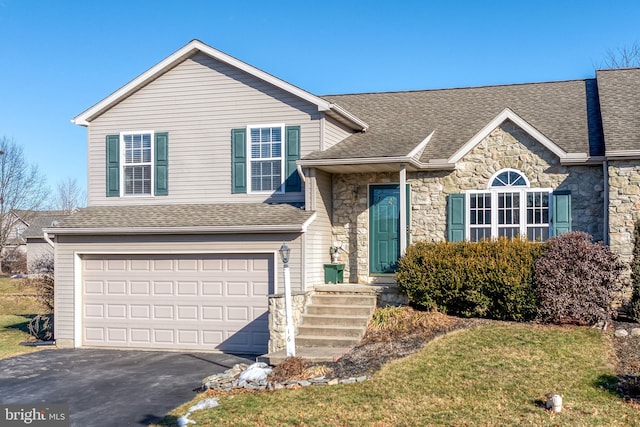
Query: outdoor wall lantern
(284, 254)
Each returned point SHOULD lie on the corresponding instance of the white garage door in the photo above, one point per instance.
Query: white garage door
(185, 302)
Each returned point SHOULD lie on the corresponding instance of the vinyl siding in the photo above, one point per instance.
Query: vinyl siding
(68, 246)
(334, 132)
(36, 250)
(319, 233)
(198, 103)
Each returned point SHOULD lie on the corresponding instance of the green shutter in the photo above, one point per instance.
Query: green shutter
(293, 182)
(455, 217)
(161, 165)
(561, 212)
(239, 160)
(113, 165)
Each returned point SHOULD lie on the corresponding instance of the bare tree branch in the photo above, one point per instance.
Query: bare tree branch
(622, 57)
(69, 195)
(22, 191)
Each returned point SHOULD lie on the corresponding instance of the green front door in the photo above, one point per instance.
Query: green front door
(384, 228)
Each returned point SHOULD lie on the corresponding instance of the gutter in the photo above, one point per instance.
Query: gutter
(581, 159)
(431, 165)
(236, 229)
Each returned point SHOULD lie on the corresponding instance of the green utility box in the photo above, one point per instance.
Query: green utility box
(333, 273)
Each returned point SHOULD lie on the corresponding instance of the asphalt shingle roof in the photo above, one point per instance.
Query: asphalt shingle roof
(620, 104)
(42, 220)
(185, 215)
(399, 121)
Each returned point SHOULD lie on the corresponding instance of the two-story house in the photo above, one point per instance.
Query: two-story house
(202, 166)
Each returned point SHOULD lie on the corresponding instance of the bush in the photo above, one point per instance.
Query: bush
(492, 279)
(43, 281)
(576, 280)
(15, 262)
(634, 304)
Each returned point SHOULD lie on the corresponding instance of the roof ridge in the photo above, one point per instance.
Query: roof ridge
(463, 87)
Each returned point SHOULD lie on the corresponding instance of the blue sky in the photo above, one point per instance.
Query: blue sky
(57, 58)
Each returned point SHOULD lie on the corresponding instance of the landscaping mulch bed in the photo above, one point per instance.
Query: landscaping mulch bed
(382, 346)
(379, 347)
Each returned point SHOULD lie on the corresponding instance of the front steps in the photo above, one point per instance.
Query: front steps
(333, 323)
(335, 320)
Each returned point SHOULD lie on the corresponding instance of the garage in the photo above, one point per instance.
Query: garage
(200, 302)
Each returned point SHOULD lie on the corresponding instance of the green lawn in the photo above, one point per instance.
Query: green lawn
(16, 310)
(489, 376)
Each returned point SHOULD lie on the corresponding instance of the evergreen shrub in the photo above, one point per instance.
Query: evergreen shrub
(491, 279)
(576, 280)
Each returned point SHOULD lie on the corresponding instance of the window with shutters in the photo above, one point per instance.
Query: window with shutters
(137, 163)
(508, 208)
(266, 160)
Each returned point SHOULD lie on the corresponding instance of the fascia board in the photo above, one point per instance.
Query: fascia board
(361, 125)
(260, 229)
(581, 159)
(432, 165)
(507, 114)
(354, 161)
(622, 154)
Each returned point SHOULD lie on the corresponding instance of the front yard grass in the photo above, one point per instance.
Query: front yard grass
(17, 307)
(487, 376)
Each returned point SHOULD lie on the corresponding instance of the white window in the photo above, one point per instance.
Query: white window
(137, 163)
(266, 162)
(508, 208)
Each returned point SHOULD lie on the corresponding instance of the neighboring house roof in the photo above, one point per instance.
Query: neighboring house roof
(401, 121)
(43, 220)
(17, 220)
(187, 218)
(191, 49)
(620, 104)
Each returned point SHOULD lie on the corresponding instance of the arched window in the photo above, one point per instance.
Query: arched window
(508, 178)
(508, 208)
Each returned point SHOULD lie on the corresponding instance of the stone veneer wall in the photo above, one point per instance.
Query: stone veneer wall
(278, 318)
(624, 206)
(507, 146)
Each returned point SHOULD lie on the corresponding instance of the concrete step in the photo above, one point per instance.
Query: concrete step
(361, 310)
(312, 354)
(330, 331)
(326, 341)
(341, 320)
(332, 299)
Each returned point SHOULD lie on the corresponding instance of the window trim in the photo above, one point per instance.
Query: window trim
(123, 163)
(522, 190)
(250, 159)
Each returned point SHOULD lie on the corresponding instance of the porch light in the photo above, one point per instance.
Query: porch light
(284, 253)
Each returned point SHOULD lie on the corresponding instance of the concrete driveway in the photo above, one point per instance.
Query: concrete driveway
(109, 387)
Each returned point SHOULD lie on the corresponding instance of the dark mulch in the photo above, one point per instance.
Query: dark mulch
(380, 347)
(628, 361)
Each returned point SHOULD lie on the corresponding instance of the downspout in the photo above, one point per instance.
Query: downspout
(301, 173)
(403, 209)
(605, 174)
(48, 240)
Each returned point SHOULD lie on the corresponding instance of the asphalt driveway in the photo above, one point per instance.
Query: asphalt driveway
(109, 387)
